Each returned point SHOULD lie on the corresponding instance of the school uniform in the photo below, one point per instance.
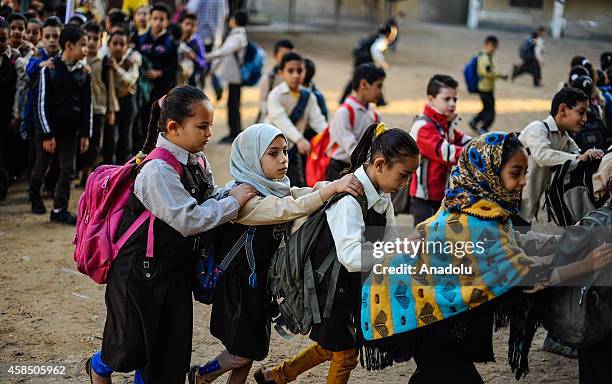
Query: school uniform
(64, 112)
(159, 53)
(488, 74)
(242, 305)
(230, 56)
(126, 82)
(8, 80)
(334, 337)
(267, 84)
(104, 101)
(345, 130)
(149, 304)
(547, 147)
(281, 103)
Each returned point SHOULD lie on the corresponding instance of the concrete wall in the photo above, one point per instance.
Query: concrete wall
(584, 17)
(443, 11)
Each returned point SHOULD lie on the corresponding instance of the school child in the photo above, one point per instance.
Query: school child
(440, 144)
(226, 61)
(382, 161)
(593, 133)
(105, 103)
(273, 78)
(64, 122)
(241, 312)
(50, 34)
(530, 52)
(8, 79)
(149, 305)
(292, 108)
(354, 116)
(133, 6)
(372, 49)
(17, 23)
(141, 17)
(32, 33)
(189, 26)
(549, 143)
(309, 72)
(159, 51)
(488, 74)
(125, 63)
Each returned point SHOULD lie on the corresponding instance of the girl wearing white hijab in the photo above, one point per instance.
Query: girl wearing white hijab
(240, 316)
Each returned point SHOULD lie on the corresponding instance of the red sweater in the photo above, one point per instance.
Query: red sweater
(440, 149)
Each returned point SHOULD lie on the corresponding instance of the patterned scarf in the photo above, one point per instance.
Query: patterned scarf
(447, 279)
(476, 178)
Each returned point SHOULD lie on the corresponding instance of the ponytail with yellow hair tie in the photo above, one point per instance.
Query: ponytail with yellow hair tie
(380, 129)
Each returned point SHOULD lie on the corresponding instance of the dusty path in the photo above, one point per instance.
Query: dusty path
(51, 315)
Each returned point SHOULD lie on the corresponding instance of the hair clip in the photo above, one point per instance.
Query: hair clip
(380, 129)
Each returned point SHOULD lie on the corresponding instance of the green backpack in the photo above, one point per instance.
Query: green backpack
(292, 280)
(581, 314)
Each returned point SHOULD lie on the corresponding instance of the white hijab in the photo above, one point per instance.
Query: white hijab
(245, 161)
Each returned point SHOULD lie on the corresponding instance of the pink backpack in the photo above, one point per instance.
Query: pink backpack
(100, 211)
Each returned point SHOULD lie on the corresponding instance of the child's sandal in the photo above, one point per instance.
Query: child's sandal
(260, 378)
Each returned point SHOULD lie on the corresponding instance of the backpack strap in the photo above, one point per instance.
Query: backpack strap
(246, 241)
(298, 111)
(351, 113)
(159, 153)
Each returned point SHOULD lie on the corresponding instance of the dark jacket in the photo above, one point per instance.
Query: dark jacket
(64, 103)
(162, 54)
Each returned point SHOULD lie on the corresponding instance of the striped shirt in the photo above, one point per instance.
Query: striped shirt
(159, 189)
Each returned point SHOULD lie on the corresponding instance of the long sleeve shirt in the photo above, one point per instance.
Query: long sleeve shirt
(547, 147)
(281, 102)
(276, 210)
(346, 223)
(487, 72)
(225, 63)
(103, 86)
(266, 85)
(346, 133)
(127, 72)
(160, 190)
(377, 50)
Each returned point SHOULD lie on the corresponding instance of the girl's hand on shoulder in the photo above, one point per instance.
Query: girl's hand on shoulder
(348, 183)
(243, 193)
(599, 258)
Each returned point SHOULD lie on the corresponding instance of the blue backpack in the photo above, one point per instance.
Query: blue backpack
(470, 73)
(251, 68)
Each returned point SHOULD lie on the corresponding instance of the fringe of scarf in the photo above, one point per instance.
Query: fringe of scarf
(521, 312)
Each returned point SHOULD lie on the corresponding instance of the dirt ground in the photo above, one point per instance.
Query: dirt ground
(51, 315)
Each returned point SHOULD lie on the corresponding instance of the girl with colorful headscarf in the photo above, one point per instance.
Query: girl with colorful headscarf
(242, 306)
(445, 320)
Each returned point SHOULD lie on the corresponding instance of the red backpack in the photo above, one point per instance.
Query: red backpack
(100, 211)
(319, 157)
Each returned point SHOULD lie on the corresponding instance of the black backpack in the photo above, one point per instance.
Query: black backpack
(581, 314)
(361, 50)
(569, 195)
(527, 49)
(292, 280)
(594, 133)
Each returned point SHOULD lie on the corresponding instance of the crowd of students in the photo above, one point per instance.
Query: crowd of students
(84, 94)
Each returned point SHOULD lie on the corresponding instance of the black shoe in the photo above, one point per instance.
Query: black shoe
(227, 139)
(63, 217)
(191, 376)
(38, 206)
(219, 93)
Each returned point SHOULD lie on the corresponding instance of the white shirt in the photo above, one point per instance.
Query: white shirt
(345, 135)
(280, 104)
(346, 222)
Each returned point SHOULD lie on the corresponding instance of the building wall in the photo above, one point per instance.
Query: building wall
(578, 13)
